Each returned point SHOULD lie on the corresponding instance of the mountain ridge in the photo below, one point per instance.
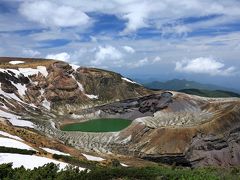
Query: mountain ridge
(179, 84)
(210, 93)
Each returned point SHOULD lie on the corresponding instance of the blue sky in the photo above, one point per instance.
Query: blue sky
(159, 39)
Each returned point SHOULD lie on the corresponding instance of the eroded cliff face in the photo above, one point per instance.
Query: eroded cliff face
(167, 127)
(63, 88)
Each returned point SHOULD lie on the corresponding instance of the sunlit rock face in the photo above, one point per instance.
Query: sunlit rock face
(167, 127)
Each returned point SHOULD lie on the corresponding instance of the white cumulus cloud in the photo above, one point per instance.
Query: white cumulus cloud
(140, 63)
(60, 56)
(137, 13)
(53, 14)
(144, 62)
(31, 53)
(137, 16)
(107, 53)
(204, 65)
(156, 59)
(128, 49)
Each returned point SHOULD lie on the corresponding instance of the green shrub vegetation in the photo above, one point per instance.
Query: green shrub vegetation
(75, 161)
(16, 150)
(51, 171)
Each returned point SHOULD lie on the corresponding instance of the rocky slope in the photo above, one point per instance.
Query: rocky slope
(62, 87)
(167, 127)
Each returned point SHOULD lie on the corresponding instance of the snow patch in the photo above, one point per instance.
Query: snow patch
(29, 161)
(12, 70)
(141, 119)
(93, 158)
(124, 165)
(27, 71)
(12, 143)
(91, 96)
(76, 116)
(22, 123)
(42, 91)
(21, 88)
(52, 151)
(16, 62)
(75, 67)
(46, 104)
(127, 139)
(128, 80)
(43, 70)
(80, 86)
(53, 124)
(10, 136)
(10, 95)
(14, 119)
(78, 83)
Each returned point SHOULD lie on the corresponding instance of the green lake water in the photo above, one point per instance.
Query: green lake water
(98, 125)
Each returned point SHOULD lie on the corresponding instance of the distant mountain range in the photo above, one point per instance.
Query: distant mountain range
(179, 84)
(210, 93)
(193, 87)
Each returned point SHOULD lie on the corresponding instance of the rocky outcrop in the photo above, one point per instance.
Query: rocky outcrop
(107, 85)
(135, 107)
(62, 87)
(211, 150)
(8, 87)
(9, 78)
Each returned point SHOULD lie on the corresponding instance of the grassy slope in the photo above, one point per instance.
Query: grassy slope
(28, 62)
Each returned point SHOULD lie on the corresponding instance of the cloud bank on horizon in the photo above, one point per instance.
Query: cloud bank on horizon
(196, 39)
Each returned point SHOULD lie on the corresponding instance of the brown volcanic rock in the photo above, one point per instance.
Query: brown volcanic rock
(8, 78)
(108, 85)
(60, 95)
(211, 150)
(8, 87)
(64, 83)
(40, 80)
(33, 92)
(52, 96)
(61, 85)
